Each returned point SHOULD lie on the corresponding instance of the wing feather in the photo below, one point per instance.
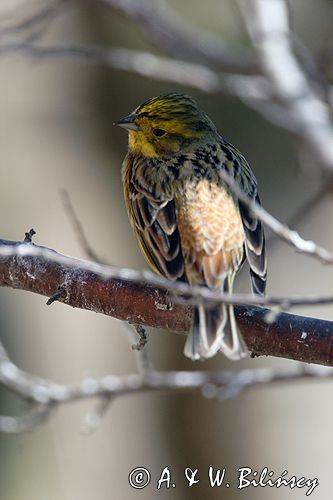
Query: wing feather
(154, 223)
(255, 248)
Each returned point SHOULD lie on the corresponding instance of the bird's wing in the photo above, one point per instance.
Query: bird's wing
(255, 248)
(237, 166)
(154, 222)
(254, 233)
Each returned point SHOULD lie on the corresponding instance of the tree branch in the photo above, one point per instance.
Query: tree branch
(286, 98)
(148, 299)
(44, 396)
(282, 230)
(273, 82)
(268, 25)
(172, 33)
(143, 63)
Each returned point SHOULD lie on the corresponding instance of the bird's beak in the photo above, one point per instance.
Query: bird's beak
(128, 122)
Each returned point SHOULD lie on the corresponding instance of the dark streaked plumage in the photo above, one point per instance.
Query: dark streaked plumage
(188, 224)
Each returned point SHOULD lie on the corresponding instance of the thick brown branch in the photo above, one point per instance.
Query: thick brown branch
(98, 288)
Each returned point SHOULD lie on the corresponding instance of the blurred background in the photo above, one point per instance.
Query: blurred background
(56, 132)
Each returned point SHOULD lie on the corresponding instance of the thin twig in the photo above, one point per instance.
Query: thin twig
(29, 235)
(47, 395)
(37, 416)
(290, 236)
(78, 228)
(141, 348)
(143, 338)
(57, 296)
(33, 25)
(170, 31)
(303, 211)
(143, 63)
(94, 419)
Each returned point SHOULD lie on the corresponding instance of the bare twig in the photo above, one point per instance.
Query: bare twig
(78, 228)
(143, 338)
(27, 422)
(143, 63)
(33, 25)
(281, 230)
(141, 347)
(142, 352)
(172, 33)
(303, 211)
(29, 235)
(60, 294)
(254, 89)
(45, 396)
(93, 419)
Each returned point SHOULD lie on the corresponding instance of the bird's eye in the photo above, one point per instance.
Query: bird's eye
(159, 132)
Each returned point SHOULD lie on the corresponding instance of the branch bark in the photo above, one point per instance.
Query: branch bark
(137, 298)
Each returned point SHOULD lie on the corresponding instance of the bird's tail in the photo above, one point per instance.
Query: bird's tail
(215, 329)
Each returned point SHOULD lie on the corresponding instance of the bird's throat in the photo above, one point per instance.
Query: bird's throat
(139, 145)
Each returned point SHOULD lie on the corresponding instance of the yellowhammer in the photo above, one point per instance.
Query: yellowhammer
(188, 224)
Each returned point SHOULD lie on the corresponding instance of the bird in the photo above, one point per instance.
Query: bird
(189, 225)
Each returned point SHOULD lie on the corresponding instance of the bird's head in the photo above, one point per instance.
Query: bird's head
(167, 125)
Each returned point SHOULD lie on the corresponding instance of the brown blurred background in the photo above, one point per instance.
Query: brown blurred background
(56, 132)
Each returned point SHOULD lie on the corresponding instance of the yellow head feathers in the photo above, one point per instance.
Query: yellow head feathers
(167, 124)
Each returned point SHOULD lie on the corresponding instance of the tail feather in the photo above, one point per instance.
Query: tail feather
(232, 344)
(204, 341)
(213, 330)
